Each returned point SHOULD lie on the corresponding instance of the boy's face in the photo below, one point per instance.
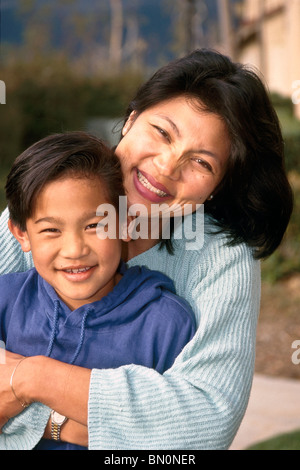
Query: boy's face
(62, 237)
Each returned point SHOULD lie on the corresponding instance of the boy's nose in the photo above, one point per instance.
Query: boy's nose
(74, 247)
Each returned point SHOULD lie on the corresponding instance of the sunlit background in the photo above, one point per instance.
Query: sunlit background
(74, 64)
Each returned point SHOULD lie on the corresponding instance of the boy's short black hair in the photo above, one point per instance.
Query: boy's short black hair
(71, 153)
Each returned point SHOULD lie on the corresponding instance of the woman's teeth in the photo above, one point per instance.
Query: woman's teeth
(149, 186)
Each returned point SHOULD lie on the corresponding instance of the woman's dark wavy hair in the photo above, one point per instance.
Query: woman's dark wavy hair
(76, 154)
(254, 201)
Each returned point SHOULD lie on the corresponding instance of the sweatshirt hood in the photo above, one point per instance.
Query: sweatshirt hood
(138, 287)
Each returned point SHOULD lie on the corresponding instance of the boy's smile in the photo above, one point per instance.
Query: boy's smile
(66, 250)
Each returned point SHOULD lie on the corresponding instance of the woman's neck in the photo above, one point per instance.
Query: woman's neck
(136, 247)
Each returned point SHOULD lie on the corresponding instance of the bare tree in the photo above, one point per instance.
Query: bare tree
(116, 35)
(190, 25)
(225, 25)
(261, 37)
(189, 17)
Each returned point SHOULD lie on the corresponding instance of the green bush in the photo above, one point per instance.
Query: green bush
(286, 261)
(48, 96)
(292, 151)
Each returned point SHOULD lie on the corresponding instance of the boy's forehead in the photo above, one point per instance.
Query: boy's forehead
(79, 196)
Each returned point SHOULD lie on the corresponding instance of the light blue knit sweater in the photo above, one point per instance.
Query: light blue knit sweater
(198, 403)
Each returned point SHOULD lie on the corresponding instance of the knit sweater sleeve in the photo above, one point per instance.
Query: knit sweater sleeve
(13, 259)
(198, 403)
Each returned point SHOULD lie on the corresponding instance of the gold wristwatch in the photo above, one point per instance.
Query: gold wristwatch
(57, 420)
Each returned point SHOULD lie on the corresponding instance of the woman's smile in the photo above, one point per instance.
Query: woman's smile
(149, 188)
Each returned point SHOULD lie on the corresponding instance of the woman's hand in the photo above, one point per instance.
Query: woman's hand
(9, 405)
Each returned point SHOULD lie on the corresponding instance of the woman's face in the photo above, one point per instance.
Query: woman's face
(173, 153)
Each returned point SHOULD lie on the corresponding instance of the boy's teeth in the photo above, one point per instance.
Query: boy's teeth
(76, 271)
(149, 186)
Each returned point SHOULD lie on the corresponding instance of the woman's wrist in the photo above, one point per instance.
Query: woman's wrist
(27, 377)
(58, 385)
(71, 432)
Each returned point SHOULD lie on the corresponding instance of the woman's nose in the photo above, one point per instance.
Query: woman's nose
(167, 165)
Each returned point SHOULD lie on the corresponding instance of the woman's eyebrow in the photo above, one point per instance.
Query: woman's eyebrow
(172, 123)
(208, 153)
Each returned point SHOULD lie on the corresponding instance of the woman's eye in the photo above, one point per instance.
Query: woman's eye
(204, 164)
(163, 133)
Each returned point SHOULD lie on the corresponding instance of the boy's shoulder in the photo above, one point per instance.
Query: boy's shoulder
(11, 281)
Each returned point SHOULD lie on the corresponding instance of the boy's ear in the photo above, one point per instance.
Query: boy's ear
(20, 235)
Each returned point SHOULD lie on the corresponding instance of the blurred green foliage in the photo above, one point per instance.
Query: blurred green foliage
(48, 96)
(286, 259)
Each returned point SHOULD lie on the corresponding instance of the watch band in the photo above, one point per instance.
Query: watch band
(57, 420)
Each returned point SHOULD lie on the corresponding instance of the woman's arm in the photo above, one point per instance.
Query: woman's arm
(59, 386)
(199, 403)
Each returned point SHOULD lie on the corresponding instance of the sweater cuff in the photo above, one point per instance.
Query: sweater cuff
(23, 432)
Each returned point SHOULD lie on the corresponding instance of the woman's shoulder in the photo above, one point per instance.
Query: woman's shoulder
(204, 241)
(13, 259)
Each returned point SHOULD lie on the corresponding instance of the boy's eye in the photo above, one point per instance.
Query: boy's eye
(50, 230)
(92, 226)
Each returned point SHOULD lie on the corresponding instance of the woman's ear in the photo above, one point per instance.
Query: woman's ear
(20, 235)
(129, 122)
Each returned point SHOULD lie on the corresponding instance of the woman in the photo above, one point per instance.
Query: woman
(201, 130)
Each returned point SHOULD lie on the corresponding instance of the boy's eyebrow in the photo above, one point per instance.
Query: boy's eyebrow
(58, 220)
(48, 219)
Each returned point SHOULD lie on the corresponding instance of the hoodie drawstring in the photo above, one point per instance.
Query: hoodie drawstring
(54, 329)
(83, 321)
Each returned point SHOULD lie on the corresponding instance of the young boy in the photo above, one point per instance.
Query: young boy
(80, 304)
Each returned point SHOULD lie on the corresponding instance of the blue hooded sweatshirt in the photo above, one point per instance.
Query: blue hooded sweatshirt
(141, 321)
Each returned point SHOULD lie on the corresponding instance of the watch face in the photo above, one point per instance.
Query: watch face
(57, 418)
